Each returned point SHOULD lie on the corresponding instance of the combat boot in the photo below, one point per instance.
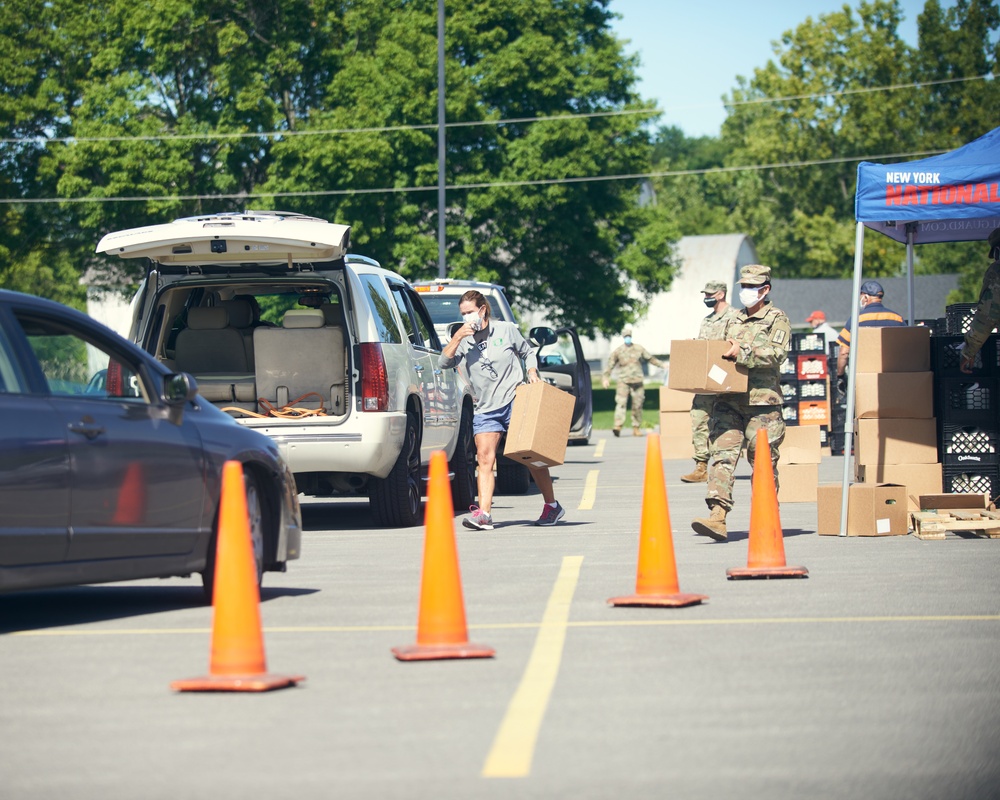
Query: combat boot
(636, 432)
(714, 526)
(616, 431)
(700, 474)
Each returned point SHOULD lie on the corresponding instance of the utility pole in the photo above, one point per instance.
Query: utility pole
(442, 271)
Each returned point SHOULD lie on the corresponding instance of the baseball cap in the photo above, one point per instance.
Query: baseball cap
(627, 330)
(714, 286)
(816, 315)
(873, 288)
(995, 238)
(755, 275)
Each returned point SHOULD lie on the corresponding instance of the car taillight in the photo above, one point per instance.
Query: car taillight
(113, 384)
(374, 379)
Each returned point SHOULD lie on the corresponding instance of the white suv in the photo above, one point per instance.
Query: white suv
(344, 379)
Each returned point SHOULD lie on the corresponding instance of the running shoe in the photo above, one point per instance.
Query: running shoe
(478, 520)
(550, 515)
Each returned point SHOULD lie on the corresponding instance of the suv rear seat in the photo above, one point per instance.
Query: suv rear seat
(215, 354)
(302, 356)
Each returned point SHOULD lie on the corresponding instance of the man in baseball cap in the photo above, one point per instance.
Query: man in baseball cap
(818, 320)
(873, 315)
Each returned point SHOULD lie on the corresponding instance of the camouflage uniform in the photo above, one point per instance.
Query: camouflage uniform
(713, 328)
(764, 339)
(628, 359)
(987, 315)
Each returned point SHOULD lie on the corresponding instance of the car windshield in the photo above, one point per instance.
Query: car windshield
(443, 308)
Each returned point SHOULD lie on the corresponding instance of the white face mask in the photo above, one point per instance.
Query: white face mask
(473, 320)
(748, 297)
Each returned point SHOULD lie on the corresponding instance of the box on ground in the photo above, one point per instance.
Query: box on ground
(899, 349)
(797, 483)
(801, 445)
(895, 441)
(873, 509)
(937, 502)
(675, 423)
(539, 425)
(673, 400)
(676, 446)
(919, 479)
(899, 395)
(697, 365)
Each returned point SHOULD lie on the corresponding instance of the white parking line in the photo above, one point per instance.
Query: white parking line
(514, 745)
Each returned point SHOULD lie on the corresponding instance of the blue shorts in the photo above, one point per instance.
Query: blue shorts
(497, 420)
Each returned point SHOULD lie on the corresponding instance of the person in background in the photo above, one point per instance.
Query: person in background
(759, 338)
(820, 326)
(492, 352)
(713, 327)
(628, 358)
(873, 315)
(987, 314)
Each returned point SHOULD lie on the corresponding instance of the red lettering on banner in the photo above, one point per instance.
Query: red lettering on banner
(936, 195)
(910, 196)
(893, 195)
(964, 193)
(995, 192)
(981, 194)
(947, 194)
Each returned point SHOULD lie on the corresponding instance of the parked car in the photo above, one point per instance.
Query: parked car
(111, 465)
(561, 363)
(346, 383)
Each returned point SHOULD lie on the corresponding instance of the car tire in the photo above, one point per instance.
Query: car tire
(257, 516)
(463, 466)
(396, 500)
(512, 478)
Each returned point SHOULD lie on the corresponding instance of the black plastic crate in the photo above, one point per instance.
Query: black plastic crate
(824, 435)
(789, 367)
(790, 413)
(808, 342)
(968, 445)
(971, 480)
(812, 390)
(946, 353)
(837, 442)
(967, 400)
(959, 316)
(790, 391)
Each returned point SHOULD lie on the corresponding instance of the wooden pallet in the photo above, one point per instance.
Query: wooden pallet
(937, 524)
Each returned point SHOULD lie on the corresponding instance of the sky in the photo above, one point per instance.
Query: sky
(692, 50)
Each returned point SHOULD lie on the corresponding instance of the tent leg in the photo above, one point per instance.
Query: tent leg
(859, 249)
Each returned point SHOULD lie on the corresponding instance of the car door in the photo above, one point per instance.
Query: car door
(136, 477)
(563, 364)
(34, 467)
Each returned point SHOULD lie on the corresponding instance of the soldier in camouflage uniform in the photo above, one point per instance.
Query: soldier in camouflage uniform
(628, 358)
(987, 315)
(759, 339)
(713, 327)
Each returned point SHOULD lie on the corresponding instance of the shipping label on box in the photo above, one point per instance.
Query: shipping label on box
(897, 349)
(672, 400)
(899, 395)
(919, 479)
(872, 510)
(895, 441)
(539, 425)
(797, 483)
(697, 365)
(801, 445)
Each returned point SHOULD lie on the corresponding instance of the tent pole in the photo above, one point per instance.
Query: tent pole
(852, 365)
(911, 303)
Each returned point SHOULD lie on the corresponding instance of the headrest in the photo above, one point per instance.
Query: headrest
(240, 312)
(208, 318)
(333, 313)
(303, 318)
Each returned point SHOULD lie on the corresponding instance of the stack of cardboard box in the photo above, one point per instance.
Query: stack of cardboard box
(895, 431)
(798, 464)
(675, 423)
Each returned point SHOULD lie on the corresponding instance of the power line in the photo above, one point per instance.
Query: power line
(653, 112)
(473, 185)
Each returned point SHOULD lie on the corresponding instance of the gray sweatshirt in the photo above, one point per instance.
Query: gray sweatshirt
(493, 362)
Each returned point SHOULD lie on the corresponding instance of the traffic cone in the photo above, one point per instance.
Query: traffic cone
(766, 558)
(237, 662)
(131, 507)
(441, 629)
(656, 577)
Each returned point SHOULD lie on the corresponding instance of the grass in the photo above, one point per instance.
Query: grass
(604, 407)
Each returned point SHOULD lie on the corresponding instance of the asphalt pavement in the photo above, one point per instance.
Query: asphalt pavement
(877, 676)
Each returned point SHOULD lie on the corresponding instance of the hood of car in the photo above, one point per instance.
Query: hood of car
(236, 238)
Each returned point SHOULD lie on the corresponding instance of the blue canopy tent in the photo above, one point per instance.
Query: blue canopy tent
(952, 197)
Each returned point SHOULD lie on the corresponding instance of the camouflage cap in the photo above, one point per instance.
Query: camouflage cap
(627, 330)
(994, 239)
(755, 275)
(714, 286)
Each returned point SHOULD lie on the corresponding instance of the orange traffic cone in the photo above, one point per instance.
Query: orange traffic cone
(131, 507)
(656, 577)
(237, 661)
(441, 630)
(767, 547)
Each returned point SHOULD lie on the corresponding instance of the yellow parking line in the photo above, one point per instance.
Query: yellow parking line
(589, 491)
(514, 745)
(599, 450)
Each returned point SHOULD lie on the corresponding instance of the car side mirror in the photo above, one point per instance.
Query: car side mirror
(453, 329)
(542, 336)
(179, 388)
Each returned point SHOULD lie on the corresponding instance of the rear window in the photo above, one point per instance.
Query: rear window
(381, 308)
(443, 308)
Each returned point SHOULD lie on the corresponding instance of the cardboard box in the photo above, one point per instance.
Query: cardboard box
(919, 479)
(539, 425)
(938, 502)
(895, 441)
(797, 483)
(676, 447)
(800, 446)
(902, 349)
(900, 395)
(672, 400)
(675, 423)
(873, 509)
(697, 365)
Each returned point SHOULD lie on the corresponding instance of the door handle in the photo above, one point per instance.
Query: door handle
(86, 429)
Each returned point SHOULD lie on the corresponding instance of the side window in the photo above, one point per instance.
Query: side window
(381, 308)
(404, 313)
(76, 366)
(11, 379)
(424, 323)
